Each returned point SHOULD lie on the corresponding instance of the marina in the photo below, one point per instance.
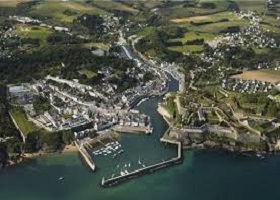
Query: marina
(110, 148)
(125, 175)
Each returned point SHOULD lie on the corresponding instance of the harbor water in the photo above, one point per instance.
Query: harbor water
(204, 175)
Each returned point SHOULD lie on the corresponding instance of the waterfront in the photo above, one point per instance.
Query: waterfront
(203, 174)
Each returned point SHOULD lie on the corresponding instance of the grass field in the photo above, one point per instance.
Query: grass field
(195, 35)
(187, 48)
(216, 27)
(10, 3)
(271, 76)
(114, 5)
(55, 10)
(204, 18)
(90, 74)
(32, 31)
(22, 122)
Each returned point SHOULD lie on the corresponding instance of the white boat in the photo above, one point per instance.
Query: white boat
(61, 178)
(103, 181)
(121, 151)
(128, 164)
(126, 172)
(125, 165)
(139, 162)
(122, 173)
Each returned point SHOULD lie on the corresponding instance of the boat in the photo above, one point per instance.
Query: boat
(122, 173)
(121, 151)
(103, 180)
(125, 165)
(139, 162)
(260, 156)
(126, 172)
(128, 164)
(61, 178)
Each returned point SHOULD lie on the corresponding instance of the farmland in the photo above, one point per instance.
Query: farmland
(261, 75)
(64, 12)
(34, 32)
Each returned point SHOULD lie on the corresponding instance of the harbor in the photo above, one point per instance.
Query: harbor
(124, 176)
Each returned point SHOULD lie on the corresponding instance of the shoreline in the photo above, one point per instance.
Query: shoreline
(71, 148)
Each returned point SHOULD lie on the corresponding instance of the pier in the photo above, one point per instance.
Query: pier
(85, 156)
(145, 170)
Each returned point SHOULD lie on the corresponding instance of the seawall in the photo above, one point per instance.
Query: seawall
(85, 156)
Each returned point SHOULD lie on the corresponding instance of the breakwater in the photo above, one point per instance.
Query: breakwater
(146, 170)
(85, 156)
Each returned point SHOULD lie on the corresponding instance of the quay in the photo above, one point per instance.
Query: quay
(85, 156)
(132, 129)
(145, 170)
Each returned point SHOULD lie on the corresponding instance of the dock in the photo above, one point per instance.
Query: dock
(85, 156)
(132, 129)
(145, 170)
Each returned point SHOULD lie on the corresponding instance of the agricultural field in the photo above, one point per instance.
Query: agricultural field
(10, 3)
(64, 12)
(205, 18)
(187, 48)
(253, 5)
(271, 76)
(194, 36)
(34, 32)
(216, 27)
(114, 5)
(24, 125)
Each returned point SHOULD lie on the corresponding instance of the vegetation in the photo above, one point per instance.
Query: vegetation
(24, 125)
(47, 141)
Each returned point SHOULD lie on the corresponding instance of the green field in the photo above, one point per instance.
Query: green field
(114, 5)
(195, 35)
(90, 74)
(32, 31)
(9, 3)
(187, 48)
(206, 18)
(24, 125)
(216, 27)
(56, 9)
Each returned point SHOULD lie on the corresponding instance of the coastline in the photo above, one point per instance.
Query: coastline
(164, 114)
(70, 148)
